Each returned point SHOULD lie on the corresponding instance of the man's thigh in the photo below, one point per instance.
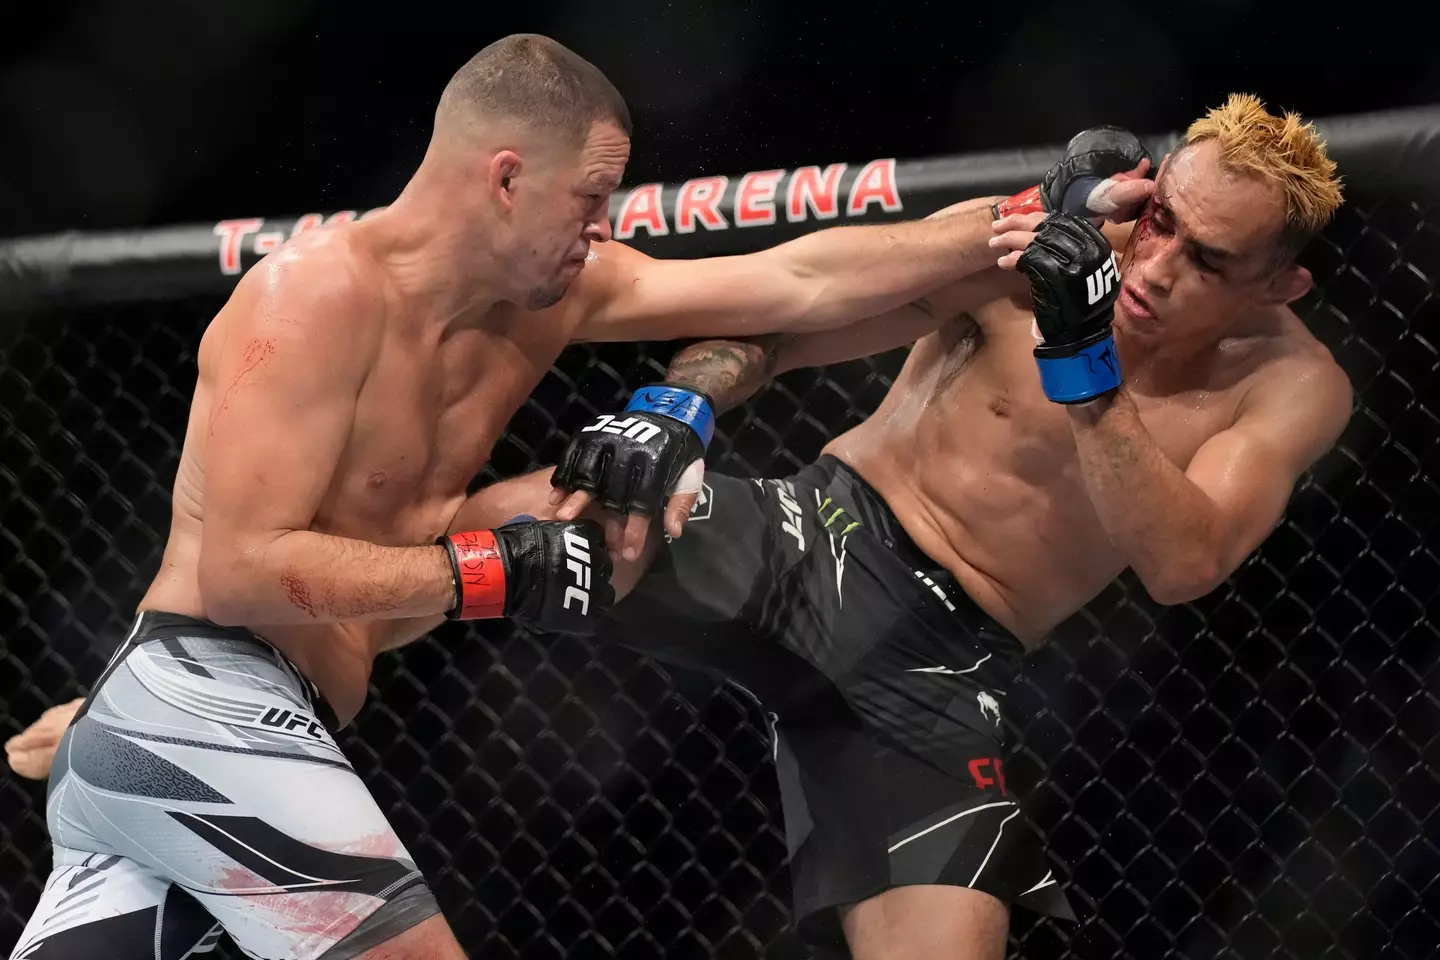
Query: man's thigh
(199, 758)
(108, 907)
(935, 922)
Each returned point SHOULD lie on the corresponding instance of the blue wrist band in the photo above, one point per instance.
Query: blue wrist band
(687, 406)
(1080, 374)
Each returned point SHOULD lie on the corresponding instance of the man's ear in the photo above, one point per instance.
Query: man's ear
(500, 177)
(1290, 284)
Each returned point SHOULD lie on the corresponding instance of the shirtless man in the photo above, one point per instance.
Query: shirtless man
(348, 392)
(879, 602)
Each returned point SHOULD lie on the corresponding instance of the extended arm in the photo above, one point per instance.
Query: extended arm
(732, 371)
(818, 282)
(1184, 532)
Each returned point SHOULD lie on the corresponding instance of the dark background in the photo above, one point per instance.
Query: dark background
(142, 112)
(1255, 776)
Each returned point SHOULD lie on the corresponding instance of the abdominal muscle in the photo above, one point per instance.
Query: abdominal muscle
(982, 473)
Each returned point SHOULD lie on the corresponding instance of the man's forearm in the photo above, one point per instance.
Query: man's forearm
(861, 271)
(729, 371)
(309, 577)
(1162, 523)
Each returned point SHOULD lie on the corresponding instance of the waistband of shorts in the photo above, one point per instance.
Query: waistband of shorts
(153, 625)
(874, 512)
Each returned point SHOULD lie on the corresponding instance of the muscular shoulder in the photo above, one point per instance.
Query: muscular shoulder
(1296, 384)
(322, 289)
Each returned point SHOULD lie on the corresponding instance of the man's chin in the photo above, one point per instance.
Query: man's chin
(546, 296)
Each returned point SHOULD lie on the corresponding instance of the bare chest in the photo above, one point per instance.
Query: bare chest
(986, 396)
(425, 424)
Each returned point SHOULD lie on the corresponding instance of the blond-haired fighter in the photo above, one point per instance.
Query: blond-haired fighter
(878, 603)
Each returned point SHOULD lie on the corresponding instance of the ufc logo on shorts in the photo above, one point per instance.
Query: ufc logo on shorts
(289, 721)
(577, 552)
(1102, 281)
(792, 525)
(632, 428)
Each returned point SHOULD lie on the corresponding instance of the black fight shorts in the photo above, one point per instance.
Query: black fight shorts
(882, 680)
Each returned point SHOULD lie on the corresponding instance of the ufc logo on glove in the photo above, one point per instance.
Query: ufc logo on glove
(1099, 284)
(632, 428)
(577, 561)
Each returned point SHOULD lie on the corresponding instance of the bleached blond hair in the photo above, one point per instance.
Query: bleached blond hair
(1284, 150)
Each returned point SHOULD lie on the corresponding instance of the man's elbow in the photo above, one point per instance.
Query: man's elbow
(1184, 581)
(225, 578)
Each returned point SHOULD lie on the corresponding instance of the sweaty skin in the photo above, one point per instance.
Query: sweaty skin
(1035, 506)
(426, 411)
(983, 472)
(352, 386)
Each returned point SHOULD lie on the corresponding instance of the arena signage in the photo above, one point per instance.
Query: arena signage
(757, 199)
(233, 235)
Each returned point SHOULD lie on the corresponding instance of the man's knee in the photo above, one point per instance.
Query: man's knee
(931, 922)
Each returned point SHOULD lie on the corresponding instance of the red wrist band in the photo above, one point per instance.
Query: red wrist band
(479, 574)
(1026, 201)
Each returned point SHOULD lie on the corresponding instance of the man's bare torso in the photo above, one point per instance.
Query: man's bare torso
(983, 472)
(426, 418)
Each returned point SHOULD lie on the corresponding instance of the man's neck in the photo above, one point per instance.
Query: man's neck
(438, 259)
(1164, 365)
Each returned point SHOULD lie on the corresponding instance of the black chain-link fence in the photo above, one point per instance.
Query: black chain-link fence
(1253, 775)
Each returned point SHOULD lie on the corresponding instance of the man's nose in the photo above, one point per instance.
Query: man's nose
(1158, 269)
(598, 231)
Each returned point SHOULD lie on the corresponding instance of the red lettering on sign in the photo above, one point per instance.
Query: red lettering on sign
(875, 184)
(308, 222)
(231, 232)
(755, 198)
(700, 198)
(809, 188)
(268, 243)
(641, 209)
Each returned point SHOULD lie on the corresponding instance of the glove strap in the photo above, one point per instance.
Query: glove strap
(1026, 201)
(690, 407)
(478, 570)
(1079, 372)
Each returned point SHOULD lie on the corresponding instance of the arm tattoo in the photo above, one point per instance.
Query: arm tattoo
(730, 371)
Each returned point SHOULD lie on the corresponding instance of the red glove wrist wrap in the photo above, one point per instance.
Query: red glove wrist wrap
(479, 574)
(1026, 201)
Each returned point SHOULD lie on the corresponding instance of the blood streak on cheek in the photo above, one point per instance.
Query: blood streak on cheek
(297, 591)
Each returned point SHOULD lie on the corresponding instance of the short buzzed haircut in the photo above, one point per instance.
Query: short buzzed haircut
(536, 81)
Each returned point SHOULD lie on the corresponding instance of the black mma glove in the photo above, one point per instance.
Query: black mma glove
(552, 575)
(632, 463)
(1074, 283)
(1076, 184)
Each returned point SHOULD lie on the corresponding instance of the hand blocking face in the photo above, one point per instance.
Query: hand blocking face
(1074, 283)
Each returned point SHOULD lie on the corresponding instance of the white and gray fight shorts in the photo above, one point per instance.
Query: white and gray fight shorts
(200, 792)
